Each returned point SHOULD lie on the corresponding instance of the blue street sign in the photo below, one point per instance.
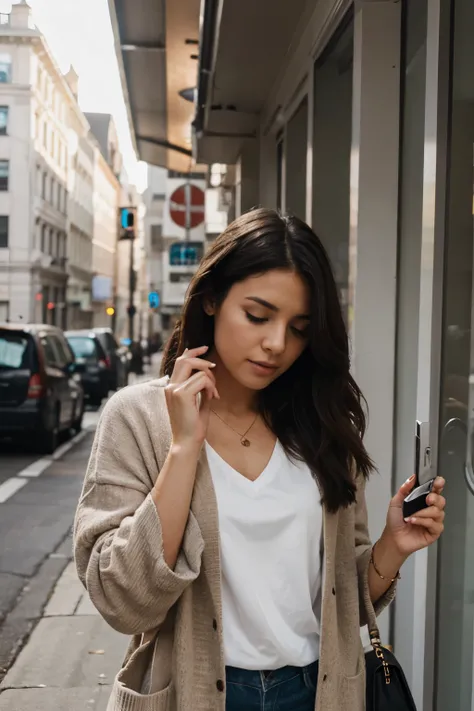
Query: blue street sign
(154, 299)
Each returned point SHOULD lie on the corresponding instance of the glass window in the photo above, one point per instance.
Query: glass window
(49, 351)
(186, 253)
(62, 356)
(3, 120)
(13, 350)
(295, 169)
(3, 231)
(5, 68)
(453, 676)
(4, 173)
(413, 78)
(332, 137)
(82, 346)
(280, 158)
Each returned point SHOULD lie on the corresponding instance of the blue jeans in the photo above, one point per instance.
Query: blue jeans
(285, 689)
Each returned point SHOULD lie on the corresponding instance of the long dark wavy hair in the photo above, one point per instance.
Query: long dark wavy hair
(315, 408)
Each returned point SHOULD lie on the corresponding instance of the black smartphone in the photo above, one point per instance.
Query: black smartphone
(416, 499)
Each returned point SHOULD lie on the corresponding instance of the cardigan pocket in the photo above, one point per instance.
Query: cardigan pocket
(352, 692)
(125, 699)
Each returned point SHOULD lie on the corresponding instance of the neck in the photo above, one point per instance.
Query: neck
(234, 399)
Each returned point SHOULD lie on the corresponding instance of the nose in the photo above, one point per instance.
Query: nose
(275, 339)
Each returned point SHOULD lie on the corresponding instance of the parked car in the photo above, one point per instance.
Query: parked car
(41, 396)
(118, 358)
(91, 364)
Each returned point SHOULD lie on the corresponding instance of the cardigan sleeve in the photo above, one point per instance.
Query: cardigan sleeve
(363, 546)
(118, 542)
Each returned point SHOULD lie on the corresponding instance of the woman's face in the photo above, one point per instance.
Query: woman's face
(261, 327)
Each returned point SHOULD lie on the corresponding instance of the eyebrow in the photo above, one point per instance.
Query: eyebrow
(272, 307)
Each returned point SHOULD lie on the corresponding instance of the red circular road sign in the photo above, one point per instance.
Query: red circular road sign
(187, 206)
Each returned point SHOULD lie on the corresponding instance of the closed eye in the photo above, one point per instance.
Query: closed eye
(255, 319)
(300, 332)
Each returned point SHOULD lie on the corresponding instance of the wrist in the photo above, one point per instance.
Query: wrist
(387, 556)
(185, 450)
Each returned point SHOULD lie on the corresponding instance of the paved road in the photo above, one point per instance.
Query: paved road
(38, 497)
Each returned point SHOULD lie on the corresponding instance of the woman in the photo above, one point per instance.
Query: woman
(223, 519)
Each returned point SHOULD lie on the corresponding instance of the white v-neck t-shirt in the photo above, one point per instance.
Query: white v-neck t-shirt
(270, 536)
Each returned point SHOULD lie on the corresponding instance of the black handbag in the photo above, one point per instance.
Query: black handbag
(386, 685)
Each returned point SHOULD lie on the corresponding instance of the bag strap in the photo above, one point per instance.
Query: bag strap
(374, 634)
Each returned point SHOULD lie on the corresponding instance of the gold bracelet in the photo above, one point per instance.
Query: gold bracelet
(392, 580)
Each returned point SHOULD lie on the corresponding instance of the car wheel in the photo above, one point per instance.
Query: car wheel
(49, 439)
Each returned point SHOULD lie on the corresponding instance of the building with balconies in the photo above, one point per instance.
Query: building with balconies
(35, 101)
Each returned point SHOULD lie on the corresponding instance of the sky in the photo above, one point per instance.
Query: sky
(79, 32)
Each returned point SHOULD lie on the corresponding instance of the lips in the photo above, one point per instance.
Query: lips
(268, 366)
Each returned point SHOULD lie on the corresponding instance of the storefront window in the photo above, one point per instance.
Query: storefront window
(331, 151)
(455, 623)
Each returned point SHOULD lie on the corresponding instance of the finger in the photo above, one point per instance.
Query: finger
(196, 384)
(184, 368)
(434, 527)
(403, 492)
(431, 512)
(436, 500)
(438, 485)
(205, 405)
(194, 352)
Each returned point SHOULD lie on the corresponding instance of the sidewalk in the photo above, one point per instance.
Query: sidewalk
(71, 659)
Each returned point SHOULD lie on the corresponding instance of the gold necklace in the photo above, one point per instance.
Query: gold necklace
(244, 441)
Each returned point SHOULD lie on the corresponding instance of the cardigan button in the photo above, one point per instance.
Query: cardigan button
(334, 591)
(325, 677)
(214, 624)
(220, 685)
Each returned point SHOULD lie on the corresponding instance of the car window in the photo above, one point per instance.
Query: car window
(62, 357)
(52, 359)
(83, 346)
(111, 343)
(14, 351)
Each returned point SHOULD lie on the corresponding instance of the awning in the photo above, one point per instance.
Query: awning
(243, 48)
(155, 41)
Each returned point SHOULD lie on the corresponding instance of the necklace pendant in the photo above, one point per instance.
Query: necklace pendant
(245, 442)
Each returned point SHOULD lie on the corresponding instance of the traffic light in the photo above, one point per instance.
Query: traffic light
(154, 299)
(127, 222)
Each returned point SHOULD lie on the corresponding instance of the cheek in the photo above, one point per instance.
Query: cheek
(294, 350)
(233, 334)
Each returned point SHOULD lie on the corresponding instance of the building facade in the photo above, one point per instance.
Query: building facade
(35, 103)
(46, 184)
(131, 274)
(106, 202)
(364, 128)
(154, 200)
(80, 217)
(358, 117)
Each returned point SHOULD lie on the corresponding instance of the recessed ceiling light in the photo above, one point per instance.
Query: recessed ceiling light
(188, 94)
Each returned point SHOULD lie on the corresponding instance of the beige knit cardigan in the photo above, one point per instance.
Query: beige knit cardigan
(175, 660)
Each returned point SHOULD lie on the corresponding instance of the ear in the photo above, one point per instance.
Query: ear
(209, 307)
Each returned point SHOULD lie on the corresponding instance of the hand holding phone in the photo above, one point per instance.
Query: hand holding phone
(416, 499)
